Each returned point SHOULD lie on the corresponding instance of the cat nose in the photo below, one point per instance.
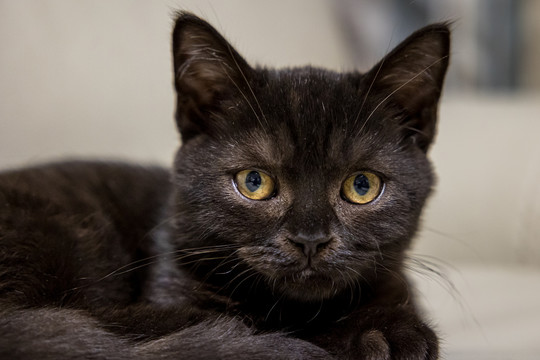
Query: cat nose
(310, 244)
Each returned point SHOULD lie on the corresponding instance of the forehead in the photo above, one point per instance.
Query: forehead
(306, 142)
(309, 114)
(329, 149)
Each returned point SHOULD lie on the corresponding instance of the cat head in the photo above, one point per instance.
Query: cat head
(309, 180)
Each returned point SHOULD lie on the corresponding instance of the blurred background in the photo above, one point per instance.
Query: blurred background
(93, 78)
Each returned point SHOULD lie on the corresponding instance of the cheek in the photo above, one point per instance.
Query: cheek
(272, 257)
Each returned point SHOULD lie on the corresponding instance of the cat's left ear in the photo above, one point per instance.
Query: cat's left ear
(209, 75)
(411, 77)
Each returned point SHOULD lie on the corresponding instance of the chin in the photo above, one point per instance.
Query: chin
(308, 286)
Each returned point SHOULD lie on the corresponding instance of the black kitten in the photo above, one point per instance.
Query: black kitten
(280, 235)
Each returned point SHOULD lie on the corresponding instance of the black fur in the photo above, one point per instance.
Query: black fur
(118, 261)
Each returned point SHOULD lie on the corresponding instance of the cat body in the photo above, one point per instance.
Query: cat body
(279, 234)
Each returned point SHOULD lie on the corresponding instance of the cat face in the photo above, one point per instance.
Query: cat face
(310, 180)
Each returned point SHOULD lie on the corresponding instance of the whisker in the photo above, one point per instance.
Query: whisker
(400, 278)
(350, 284)
(135, 265)
(226, 262)
(317, 313)
(273, 307)
(156, 258)
(230, 282)
(196, 261)
(453, 238)
(426, 266)
(240, 283)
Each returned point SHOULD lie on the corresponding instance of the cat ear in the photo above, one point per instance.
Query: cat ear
(411, 77)
(208, 73)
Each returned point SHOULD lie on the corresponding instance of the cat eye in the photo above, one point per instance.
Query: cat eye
(255, 185)
(362, 188)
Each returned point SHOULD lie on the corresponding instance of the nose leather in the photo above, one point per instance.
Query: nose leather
(310, 244)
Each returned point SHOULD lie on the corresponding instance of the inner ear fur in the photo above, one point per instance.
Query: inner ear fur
(207, 70)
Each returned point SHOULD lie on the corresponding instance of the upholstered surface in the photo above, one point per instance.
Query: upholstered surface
(484, 311)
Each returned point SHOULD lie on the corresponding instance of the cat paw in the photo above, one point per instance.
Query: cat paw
(373, 346)
(397, 341)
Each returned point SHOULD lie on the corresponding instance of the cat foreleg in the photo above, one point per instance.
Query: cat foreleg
(381, 333)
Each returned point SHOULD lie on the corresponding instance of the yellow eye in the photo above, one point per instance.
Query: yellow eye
(362, 188)
(255, 185)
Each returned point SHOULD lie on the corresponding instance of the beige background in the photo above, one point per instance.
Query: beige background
(92, 78)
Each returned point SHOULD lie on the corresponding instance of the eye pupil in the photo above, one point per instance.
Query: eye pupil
(254, 185)
(253, 181)
(362, 188)
(361, 184)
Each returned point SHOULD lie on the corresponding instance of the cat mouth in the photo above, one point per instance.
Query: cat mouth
(304, 275)
(298, 277)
